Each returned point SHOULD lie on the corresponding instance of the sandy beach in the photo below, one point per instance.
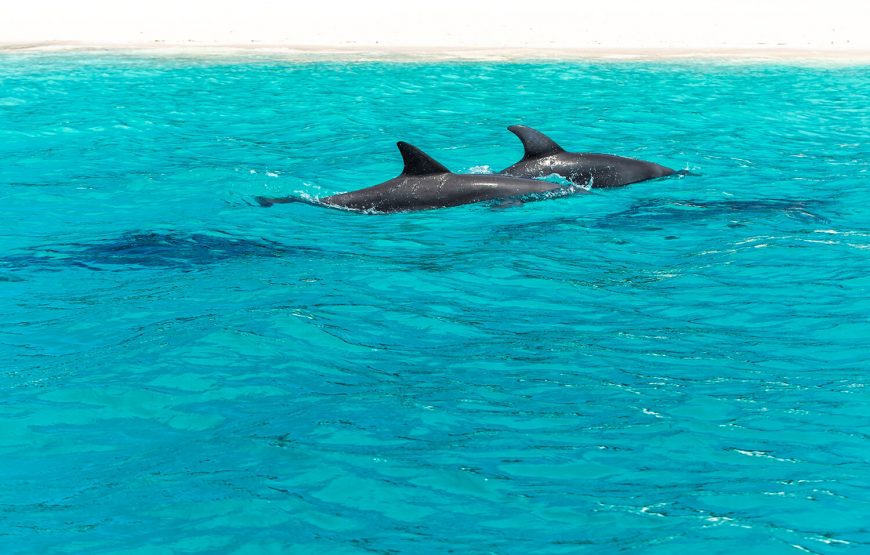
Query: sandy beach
(450, 29)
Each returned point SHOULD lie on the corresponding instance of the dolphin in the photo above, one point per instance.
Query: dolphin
(425, 184)
(544, 157)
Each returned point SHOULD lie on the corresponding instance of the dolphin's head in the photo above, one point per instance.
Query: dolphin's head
(639, 170)
(659, 171)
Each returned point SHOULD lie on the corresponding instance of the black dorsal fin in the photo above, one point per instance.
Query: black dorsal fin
(536, 143)
(418, 162)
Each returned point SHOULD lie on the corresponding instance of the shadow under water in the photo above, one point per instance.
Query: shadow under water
(655, 214)
(149, 250)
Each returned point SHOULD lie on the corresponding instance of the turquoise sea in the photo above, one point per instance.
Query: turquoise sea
(678, 366)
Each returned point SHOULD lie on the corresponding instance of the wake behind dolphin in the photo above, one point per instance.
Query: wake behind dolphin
(426, 184)
(544, 157)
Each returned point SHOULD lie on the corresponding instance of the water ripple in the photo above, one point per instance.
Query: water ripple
(679, 365)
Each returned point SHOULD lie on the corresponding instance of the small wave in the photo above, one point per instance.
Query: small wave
(556, 178)
(11, 101)
(484, 169)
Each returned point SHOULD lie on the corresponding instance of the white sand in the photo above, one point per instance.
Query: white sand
(829, 29)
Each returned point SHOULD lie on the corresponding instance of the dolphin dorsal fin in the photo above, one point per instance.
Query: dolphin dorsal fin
(536, 143)
(418, 162)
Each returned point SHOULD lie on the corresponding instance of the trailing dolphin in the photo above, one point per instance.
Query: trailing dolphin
(544, 157)
(424, 184)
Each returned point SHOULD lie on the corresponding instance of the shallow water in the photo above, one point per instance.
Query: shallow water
(676, 366)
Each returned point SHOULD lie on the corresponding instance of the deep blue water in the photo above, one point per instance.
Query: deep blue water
(677, 366)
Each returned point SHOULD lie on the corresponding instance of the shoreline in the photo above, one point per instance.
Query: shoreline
(792, 31)
(412, 54)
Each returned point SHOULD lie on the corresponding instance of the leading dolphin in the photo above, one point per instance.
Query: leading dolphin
(544, 157)
(425, 184)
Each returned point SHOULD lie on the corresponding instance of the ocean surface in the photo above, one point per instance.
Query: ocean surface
(678, 366)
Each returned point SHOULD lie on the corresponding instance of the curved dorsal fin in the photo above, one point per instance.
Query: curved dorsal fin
(536, 143)
(418, 162)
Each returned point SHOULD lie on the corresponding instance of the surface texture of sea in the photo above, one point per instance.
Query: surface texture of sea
(677, 366)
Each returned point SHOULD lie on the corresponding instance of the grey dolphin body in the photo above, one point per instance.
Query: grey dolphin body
(544, 157)
(424, 184)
